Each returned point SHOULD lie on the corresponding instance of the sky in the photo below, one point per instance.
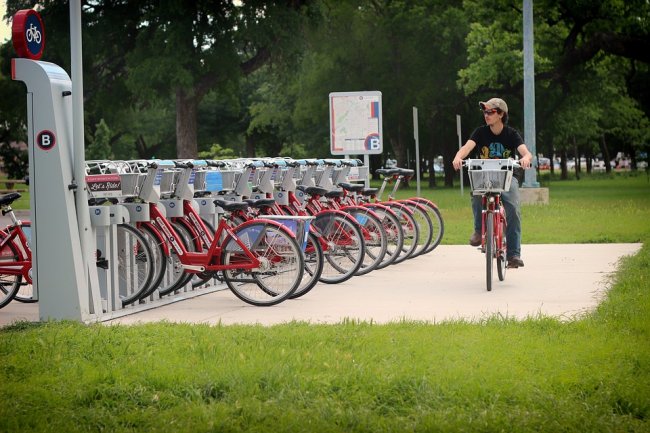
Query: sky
(5, 29)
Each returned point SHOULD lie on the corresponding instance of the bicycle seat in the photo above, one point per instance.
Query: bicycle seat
(351, 186)
(388, 171)
(7, 199)
(405, 171)
(369, 191)
(231, 205)
(260, 203)
(314, 190)
(202, 193)
(332, 194)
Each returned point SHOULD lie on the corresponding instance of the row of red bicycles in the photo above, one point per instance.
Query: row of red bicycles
(269, 228)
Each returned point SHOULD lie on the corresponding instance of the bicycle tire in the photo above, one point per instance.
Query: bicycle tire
(135, 264)
(502, 261)
(9, 284)
(313, 257)
(179, 277)
(344, 252)
(25, 293)
(437, 223)
(409, 229)
(489, 250)
(425, 227)
(155, 241)
(174, 271)
(374, 238)
(281, 269)
(394, 233)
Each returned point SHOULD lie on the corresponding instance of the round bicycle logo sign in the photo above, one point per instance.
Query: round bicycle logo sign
(28, 34)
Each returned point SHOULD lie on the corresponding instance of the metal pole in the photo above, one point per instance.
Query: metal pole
(530, 179)
(417, 149)
(460, 144)
(81, 199)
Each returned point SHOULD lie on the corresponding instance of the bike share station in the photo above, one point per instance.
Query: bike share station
(67, 233)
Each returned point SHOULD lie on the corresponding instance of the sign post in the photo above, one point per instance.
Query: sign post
(57, 256)
(416, 136)
(355, 124)
(460, 144)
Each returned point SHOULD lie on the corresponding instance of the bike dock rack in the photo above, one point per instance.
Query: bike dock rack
(163, 179)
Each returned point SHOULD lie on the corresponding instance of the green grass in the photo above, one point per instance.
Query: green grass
(591, 374)
(595, 209)
(541, 374)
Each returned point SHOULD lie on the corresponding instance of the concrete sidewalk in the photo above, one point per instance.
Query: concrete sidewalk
(558, 280)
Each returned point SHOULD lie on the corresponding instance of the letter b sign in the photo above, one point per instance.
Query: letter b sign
(46, 140)
(373, 143)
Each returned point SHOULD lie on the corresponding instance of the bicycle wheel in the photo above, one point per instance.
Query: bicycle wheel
(154, 239)
(437, 224)
(313, 256)
(424, 225)
(9, 284)
(179, 277)
(489, 250)
(409, 229)
(374, 238)
(175, 274)
(281, 264)
(394, 234)
(502, 260)
(344, 252)
(135, 264)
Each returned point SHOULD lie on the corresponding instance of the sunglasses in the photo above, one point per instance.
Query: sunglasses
(489, 112)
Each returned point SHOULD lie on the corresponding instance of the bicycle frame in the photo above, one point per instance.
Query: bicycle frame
(23, 265)
(491, 204)
(210, 260)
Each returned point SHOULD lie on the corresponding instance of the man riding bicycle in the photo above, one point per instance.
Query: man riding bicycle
(497, 140)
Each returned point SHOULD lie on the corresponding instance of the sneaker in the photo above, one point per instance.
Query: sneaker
(515, 262)
(475, 240)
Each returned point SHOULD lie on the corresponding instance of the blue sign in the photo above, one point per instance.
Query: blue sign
(28, 34)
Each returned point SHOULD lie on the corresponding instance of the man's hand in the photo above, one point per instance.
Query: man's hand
(526, 161)
(457, 163)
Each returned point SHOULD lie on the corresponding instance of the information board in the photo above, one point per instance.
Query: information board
(355, 123)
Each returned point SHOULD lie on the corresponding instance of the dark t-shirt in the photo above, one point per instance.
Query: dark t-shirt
(490, 146)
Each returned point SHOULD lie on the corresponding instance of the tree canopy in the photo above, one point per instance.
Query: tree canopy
(173, 78)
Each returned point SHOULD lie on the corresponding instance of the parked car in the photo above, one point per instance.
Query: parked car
(544, 163)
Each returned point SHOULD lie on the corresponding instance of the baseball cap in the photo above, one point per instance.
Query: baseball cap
(494, 103)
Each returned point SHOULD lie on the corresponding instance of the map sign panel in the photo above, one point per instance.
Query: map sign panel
(355, 123)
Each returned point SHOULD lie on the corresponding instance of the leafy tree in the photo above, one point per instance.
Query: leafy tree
(100, 145)
(216, 151)
(586, 54)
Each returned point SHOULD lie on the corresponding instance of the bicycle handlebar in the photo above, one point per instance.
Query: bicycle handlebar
(510, 161)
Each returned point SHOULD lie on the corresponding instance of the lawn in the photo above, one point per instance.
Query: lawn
(595, 209)
(591, 374)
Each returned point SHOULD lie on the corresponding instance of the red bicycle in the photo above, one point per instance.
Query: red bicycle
(489, 178)
(15, 256)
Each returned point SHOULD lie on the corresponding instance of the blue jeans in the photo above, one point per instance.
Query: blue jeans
(510, 201)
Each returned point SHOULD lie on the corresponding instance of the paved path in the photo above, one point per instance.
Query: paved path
(449, 283)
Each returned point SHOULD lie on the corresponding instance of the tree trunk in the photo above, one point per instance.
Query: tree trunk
(552, 163)
(605, 151)
(186, 124)
(250, 147)
(577, 157)
(564, 171)
(589, 158)
(432, 173)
